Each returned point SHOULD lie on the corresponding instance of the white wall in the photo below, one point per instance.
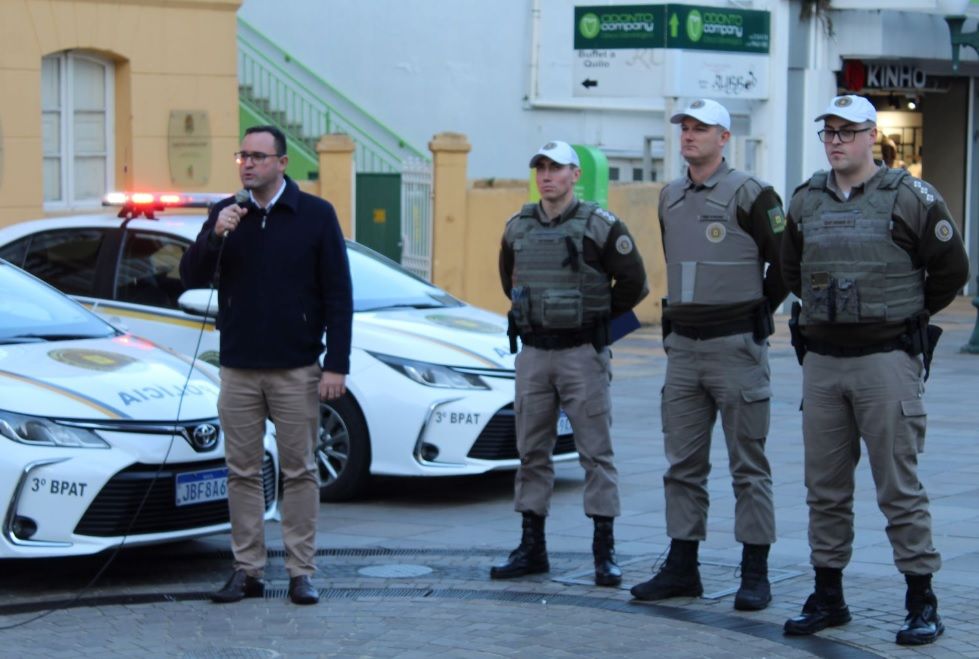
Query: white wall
(426, 66)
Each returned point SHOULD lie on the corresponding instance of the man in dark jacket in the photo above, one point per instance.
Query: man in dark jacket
(284, 279)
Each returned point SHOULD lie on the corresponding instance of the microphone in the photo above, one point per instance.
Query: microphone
(242, 197)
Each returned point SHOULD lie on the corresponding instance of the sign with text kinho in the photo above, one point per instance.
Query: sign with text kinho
(690, 27)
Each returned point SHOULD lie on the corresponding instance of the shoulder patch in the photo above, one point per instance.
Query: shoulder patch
(776, 218)
(944, 231)
(623, 245)
(605, 215)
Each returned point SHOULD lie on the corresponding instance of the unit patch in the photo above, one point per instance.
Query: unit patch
(944, 231)
(776, 219)
(623, 245)
(716, 232)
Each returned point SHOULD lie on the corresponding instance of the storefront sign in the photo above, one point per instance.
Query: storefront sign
(690, 27)
(189, 148)
(858, 75)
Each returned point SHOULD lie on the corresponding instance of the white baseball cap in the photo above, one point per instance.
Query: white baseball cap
(559, 152)
(705, 111)
(853, 108)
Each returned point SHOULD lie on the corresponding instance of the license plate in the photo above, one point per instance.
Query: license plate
(202, 486)
(563, 424)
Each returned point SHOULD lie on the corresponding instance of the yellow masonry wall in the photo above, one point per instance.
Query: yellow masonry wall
(169, 54)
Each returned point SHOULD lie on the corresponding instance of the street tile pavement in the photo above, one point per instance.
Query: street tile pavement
(403, 573)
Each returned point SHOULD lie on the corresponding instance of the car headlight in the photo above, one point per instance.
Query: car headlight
(38, 431)
(432, 375)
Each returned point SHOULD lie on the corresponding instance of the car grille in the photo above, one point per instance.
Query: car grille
(498, 441)
(112, 510)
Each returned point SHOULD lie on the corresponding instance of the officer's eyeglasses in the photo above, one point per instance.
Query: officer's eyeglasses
(846, 135)
(256, 157)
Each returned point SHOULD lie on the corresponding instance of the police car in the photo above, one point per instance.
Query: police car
(106, 438)
(431, 386)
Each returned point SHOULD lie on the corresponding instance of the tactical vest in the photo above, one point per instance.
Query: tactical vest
(710, 259)
(852, 271)
(553, 287)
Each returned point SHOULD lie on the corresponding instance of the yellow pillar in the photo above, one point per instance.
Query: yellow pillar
(449, 186)
(336, 154)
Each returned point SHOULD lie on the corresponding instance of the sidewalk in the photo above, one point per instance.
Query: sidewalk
(405, 572)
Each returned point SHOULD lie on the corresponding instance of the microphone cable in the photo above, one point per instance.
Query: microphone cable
(156, 475)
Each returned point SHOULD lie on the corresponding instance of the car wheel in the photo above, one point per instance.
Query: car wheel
(343, 450)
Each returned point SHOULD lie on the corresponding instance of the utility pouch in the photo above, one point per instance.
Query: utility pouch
(520, 309)
(561, 309)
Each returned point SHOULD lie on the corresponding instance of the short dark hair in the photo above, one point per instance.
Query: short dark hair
(277, 135)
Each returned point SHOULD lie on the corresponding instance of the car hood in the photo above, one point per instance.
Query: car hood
(96, 379)
(454, 336)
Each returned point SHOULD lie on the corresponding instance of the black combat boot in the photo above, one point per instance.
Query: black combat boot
(530, 557)
(607, 573)
(679, 576)
(755, 592)
(824, 608)
(923, 625)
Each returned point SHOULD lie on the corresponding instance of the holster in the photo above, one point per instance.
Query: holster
(602, 335)
(764, 323)
(511, 332)
(798, 342)
(921, 338)
(666, 322)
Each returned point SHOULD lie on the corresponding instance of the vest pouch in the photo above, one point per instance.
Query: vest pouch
(817, 297)
(520, 307)
(561, 309)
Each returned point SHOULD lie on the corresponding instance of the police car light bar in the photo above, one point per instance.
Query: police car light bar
(135, 204)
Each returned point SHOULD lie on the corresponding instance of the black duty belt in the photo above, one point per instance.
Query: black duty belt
(556, 341)
(832, 350)
(702, 332)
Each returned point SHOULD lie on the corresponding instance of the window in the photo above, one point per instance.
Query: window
(76, 128)
(64, 259)
(149, 272)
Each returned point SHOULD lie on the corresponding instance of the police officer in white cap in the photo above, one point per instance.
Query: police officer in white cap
(873, 253)
(720, 227)
(568, 267)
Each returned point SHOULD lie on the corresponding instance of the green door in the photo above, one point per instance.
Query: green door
(378, 224)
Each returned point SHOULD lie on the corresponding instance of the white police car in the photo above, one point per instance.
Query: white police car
(99, 445)
(432, 382)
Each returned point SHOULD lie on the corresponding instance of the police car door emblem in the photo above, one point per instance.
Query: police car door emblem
(716, 232)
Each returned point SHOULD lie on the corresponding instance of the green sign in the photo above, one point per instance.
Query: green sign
(619, 26)
(593, 183)
(717, 28)
(691, 27)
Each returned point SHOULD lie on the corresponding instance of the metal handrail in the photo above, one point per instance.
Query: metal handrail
(303, 114)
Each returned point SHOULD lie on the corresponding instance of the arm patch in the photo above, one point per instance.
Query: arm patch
(777, 219)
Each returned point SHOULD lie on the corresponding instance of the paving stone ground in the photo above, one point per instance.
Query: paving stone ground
(403, 573)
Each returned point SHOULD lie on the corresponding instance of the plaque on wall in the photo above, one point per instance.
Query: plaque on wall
(189, 148)
(1, 154)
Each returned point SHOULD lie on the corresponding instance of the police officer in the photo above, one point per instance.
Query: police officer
(720, 226)
(568, 266)
(873, 253)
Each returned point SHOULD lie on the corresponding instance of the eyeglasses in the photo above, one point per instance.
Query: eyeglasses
(846, 135)
(256, 157)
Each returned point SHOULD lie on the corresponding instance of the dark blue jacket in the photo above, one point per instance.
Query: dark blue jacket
(284, 279)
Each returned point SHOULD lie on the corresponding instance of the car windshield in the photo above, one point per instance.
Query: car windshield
(31, 311)
(380, 283)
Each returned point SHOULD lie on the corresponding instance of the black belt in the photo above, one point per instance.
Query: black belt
(702, 332)
(831, 350)
(556, 341)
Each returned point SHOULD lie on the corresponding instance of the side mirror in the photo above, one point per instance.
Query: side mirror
(199, 302)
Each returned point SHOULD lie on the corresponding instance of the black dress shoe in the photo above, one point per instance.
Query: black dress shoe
(239, 586)
(301, 590)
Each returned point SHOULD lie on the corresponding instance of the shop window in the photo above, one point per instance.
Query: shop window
(76, 121)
